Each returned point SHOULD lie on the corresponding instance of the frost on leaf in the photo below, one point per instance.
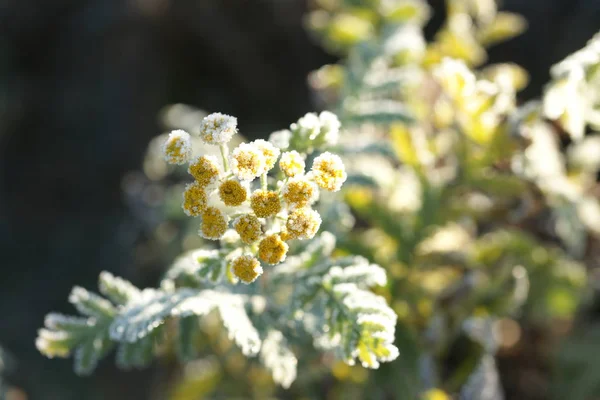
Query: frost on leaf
(279, 358)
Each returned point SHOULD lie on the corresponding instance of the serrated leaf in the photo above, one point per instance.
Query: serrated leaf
(91, 304)
(135, 355)
(359, 271)
(150, 311)
(117, 289)
(194, 267)
(240, 328)
(276, 355)
(90, 352)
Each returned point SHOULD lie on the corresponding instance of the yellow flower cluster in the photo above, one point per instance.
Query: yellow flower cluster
(265, 213)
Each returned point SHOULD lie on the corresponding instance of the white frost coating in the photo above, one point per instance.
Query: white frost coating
(304, 223)
(90, 304)
(177, 149)
(308, 126)
(154, 307)
(330, 127)
(329, 172)
(247, 162)
(117, 289)
(58, 321)
(140, 318)
(292, 163)
(190, 263)
(281, 139)
(269, 151)
(218, 128)
(312, 194)
(363, 274)
(370, 313)
(240, 328)
(279, 359)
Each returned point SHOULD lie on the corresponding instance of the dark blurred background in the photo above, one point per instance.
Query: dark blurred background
(81, 84)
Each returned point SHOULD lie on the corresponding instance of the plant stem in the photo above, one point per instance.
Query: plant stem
(224, 154)
(263, 181)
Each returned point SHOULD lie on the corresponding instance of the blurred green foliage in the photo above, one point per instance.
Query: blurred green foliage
(480, 214)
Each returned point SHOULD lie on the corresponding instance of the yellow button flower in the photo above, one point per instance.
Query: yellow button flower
(247, 268)
(194, 199)
(218, 128)
(270, 152)
(292, 163)
(300, 192)
(265, 203)
(178, 147)
(329, 172)
(232, 193)
(248, 227)
(302, 223)
(272, 249)
(214, 224)
(204, 169)
(247, 162)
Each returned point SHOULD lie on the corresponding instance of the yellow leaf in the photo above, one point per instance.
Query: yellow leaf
(403, 145)
(435, 394)
(347, 29)
(506, 26)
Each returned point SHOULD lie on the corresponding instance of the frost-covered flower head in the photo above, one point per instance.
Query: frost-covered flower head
(329, 172)
(270, 152)
(265, 203)
(308, 126)
(214, 224)
(247, 268)
(300, 192)
(194, 199)
(232, 193)
(248, 227)
(247, 162)
(314, 131)
(204, 169)
(257, 217)
(272, 249)
(330, 128)
(292, 163)
(178, 147)
(217, 128)
(303, 223)
(281, 139)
